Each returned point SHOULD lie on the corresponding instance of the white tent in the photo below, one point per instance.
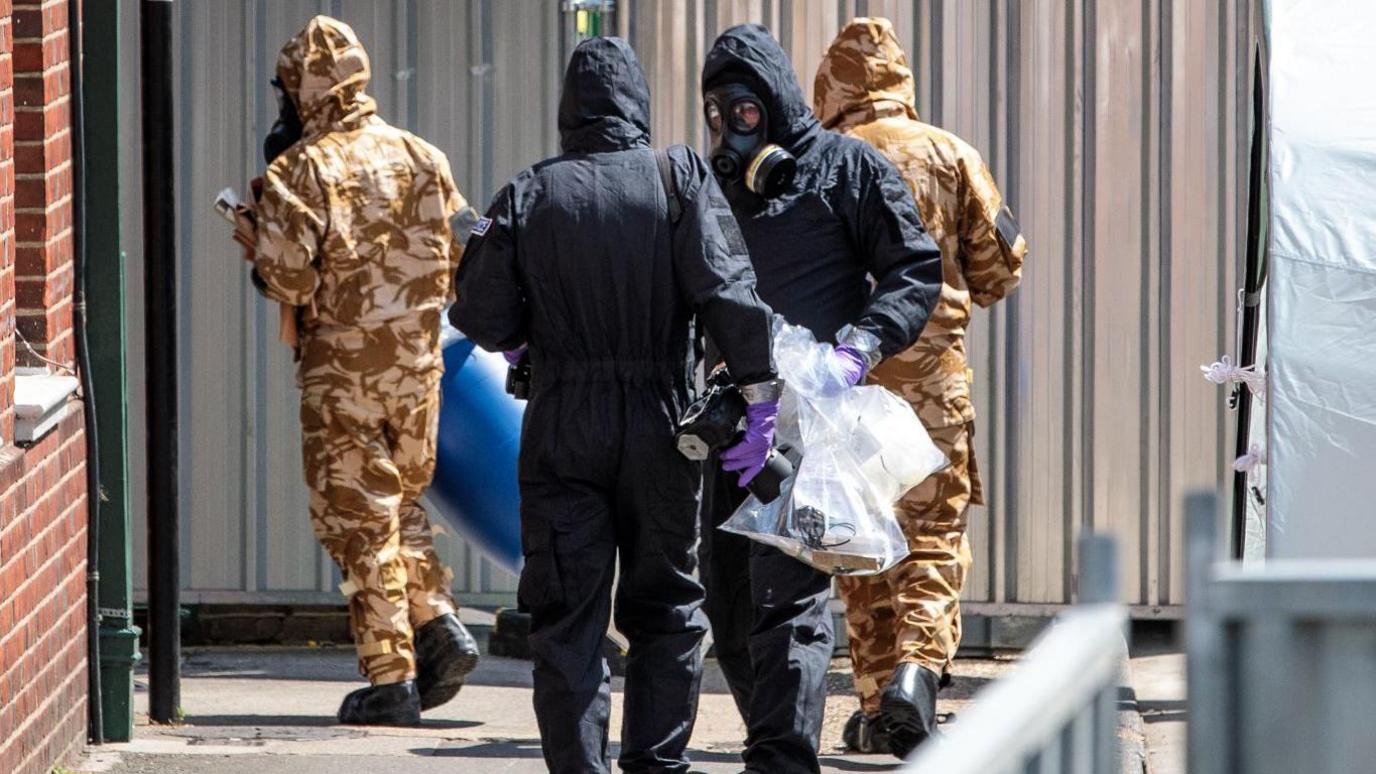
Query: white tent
(1321, 315)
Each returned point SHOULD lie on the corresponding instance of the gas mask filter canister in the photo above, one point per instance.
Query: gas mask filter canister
(741, 149)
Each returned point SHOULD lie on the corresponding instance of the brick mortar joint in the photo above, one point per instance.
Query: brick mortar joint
(60, 101)
(46, 209)
(49, 242)
(25, 74)
(42, 107)
(34, 314)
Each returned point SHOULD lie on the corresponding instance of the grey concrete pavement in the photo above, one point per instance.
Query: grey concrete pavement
(270, 711)
(1157, 677)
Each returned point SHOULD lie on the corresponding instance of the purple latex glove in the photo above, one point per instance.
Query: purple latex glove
(513, 356)
(851, 363)
(749, 454)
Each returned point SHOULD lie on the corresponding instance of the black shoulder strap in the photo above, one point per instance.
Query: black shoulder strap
(666, 177)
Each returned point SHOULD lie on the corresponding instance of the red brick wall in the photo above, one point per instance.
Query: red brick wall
(42, 488)
(43, 180)
(7, 247)
(43, 604)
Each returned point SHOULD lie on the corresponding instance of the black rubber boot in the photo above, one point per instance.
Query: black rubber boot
(394, 704)
(863, 734)
(907, 709)
(445, 654)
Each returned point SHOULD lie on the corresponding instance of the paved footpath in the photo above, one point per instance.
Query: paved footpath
(270, 711)
(1157, 678)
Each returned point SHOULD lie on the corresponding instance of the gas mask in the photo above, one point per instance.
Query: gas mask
(741, 150)
(286, 130)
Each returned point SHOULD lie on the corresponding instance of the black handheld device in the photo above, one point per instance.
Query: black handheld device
(518, 378)
(713, 422)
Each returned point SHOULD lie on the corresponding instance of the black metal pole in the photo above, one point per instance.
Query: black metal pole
(160, 322)
(1253, 279)
(95, 730)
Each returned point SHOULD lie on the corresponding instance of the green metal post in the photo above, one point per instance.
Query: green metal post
(119, 638)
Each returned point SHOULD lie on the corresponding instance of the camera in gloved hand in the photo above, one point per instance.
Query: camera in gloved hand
(714, 421)
(518, 373)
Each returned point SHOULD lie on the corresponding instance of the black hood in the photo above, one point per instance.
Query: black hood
(749, 55)
(605, 105)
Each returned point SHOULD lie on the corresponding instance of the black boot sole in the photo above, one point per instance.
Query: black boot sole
(902, 722)
(449, 681)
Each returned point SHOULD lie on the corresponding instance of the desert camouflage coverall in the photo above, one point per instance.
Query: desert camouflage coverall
(911, 613)
(354, 228)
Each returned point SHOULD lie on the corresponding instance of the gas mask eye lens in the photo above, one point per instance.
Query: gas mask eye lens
(713, 117)
(745, 116)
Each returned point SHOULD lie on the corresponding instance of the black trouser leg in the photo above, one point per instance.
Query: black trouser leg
(773, 636)
(790, 648)
(725, 571)
(658, 608)
(658, 601)
(566, 585)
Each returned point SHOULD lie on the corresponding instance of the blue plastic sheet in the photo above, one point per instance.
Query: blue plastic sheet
(475, 488)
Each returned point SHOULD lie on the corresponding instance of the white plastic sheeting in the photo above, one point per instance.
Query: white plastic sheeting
(1322, 285)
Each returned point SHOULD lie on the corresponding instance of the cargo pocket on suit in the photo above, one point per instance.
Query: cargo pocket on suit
(539, 586)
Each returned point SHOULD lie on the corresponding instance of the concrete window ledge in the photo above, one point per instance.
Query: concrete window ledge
(41, 401)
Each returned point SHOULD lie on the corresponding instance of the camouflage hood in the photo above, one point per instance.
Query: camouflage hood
(324, 70)
(864, 75)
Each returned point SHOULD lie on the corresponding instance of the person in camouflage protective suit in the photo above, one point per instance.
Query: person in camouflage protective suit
(904, 625)
(354, 229)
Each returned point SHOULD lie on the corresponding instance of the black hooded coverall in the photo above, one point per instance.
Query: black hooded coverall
(577, 258)
(844, 245)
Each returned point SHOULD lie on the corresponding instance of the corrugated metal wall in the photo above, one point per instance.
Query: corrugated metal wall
(1113, 126)
(439, 68)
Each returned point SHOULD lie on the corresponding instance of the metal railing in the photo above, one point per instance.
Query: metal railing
(1282, 660)
(1057, 711)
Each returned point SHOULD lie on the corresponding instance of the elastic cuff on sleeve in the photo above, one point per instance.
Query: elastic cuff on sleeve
(763, 392)
(864, 342)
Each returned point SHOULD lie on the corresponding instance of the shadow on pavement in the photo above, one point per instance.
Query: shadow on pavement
(300, 721)
(530, 749)
(194, 722)
(841, 764)
(1165, 711)
(512, 748)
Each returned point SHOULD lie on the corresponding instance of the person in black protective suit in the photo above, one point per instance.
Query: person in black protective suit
(837, 243)
(578, 259)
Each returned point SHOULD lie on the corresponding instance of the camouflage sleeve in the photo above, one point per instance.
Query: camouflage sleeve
(991, 243)
(491, 306)
(899, 254)
(292, 214)
(460, 216)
